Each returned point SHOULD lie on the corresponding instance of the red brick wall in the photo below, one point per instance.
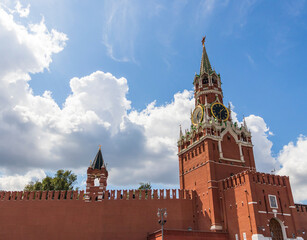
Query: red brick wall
(187, 235)
(264, 185)
(230, 148)
(71, 218)
(235, 204)
(249, 197)
(201, 172)
(301, 220)
(248, 155)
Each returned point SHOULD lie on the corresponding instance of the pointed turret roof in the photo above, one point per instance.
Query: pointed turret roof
(180, 132)
(98, 161)
(205, 65)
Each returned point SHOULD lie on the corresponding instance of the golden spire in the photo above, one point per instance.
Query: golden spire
(99, 147)
(205, 65)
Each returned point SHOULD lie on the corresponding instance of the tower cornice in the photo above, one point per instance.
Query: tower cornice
(207, 90)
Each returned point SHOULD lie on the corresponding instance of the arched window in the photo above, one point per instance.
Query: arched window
(243, 137)
(205, 80)
(96, 182)
(276, 230)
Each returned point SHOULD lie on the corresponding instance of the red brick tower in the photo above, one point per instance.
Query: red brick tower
(213, 148)
(97, 176)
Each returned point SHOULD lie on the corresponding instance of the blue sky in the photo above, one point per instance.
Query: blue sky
(152, 50)
(257, 46)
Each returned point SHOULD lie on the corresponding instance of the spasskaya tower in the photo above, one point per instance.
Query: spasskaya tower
(214, 147)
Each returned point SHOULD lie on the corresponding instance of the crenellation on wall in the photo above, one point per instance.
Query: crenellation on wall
(302, 208)
(234, 181)
(32, 196)
(13, 195)
(40, 195)
(269, 179)
(132, 194)
(155, 194)
(19, 195)
(256, 177)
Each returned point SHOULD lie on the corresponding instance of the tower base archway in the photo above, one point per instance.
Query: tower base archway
(276, 230)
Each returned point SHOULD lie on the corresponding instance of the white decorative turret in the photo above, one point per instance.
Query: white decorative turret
(244, 123)
(180, 132)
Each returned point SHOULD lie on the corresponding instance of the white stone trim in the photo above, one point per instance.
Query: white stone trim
(220, 148)
(211, 161)
(252, 203)
(241, 152)
(275, 213)
(262, 212)
(233, 160)
(212, 181)
(229, 129)
(274, 196)
(216, 227)
(208, 91)
(212, 137)
(286, 214)
(283, 229)
(246, 144)
(260, 237)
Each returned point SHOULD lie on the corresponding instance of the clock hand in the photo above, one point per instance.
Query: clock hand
(221, 113)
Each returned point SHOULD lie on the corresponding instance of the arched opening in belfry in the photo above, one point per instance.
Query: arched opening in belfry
(96, 182)
(276, 230)
(243, 137)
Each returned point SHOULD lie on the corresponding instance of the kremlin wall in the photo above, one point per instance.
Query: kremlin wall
(221, 195)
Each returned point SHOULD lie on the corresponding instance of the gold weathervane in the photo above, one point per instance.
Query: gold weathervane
(99, 147)
(203, 40)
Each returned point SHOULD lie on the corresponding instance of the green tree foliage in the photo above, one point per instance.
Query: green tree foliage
(144, 186)
(63, 180)
(33, 186)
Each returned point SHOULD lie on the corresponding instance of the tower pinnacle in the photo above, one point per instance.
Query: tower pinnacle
(205, 65)
(180, 132)
(98, 161)
(203, 40)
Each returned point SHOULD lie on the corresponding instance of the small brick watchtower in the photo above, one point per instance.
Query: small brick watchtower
(97, 175)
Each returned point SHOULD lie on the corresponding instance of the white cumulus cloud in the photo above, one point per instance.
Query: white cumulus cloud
(17, 181)
(22, 11)
(262, 145)
(161, 123)
(293, 158)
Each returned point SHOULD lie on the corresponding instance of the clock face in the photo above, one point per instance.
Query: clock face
(197, 115)
(219, 111)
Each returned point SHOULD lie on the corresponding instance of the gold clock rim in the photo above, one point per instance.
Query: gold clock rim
(224, 107)
(202, 114)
